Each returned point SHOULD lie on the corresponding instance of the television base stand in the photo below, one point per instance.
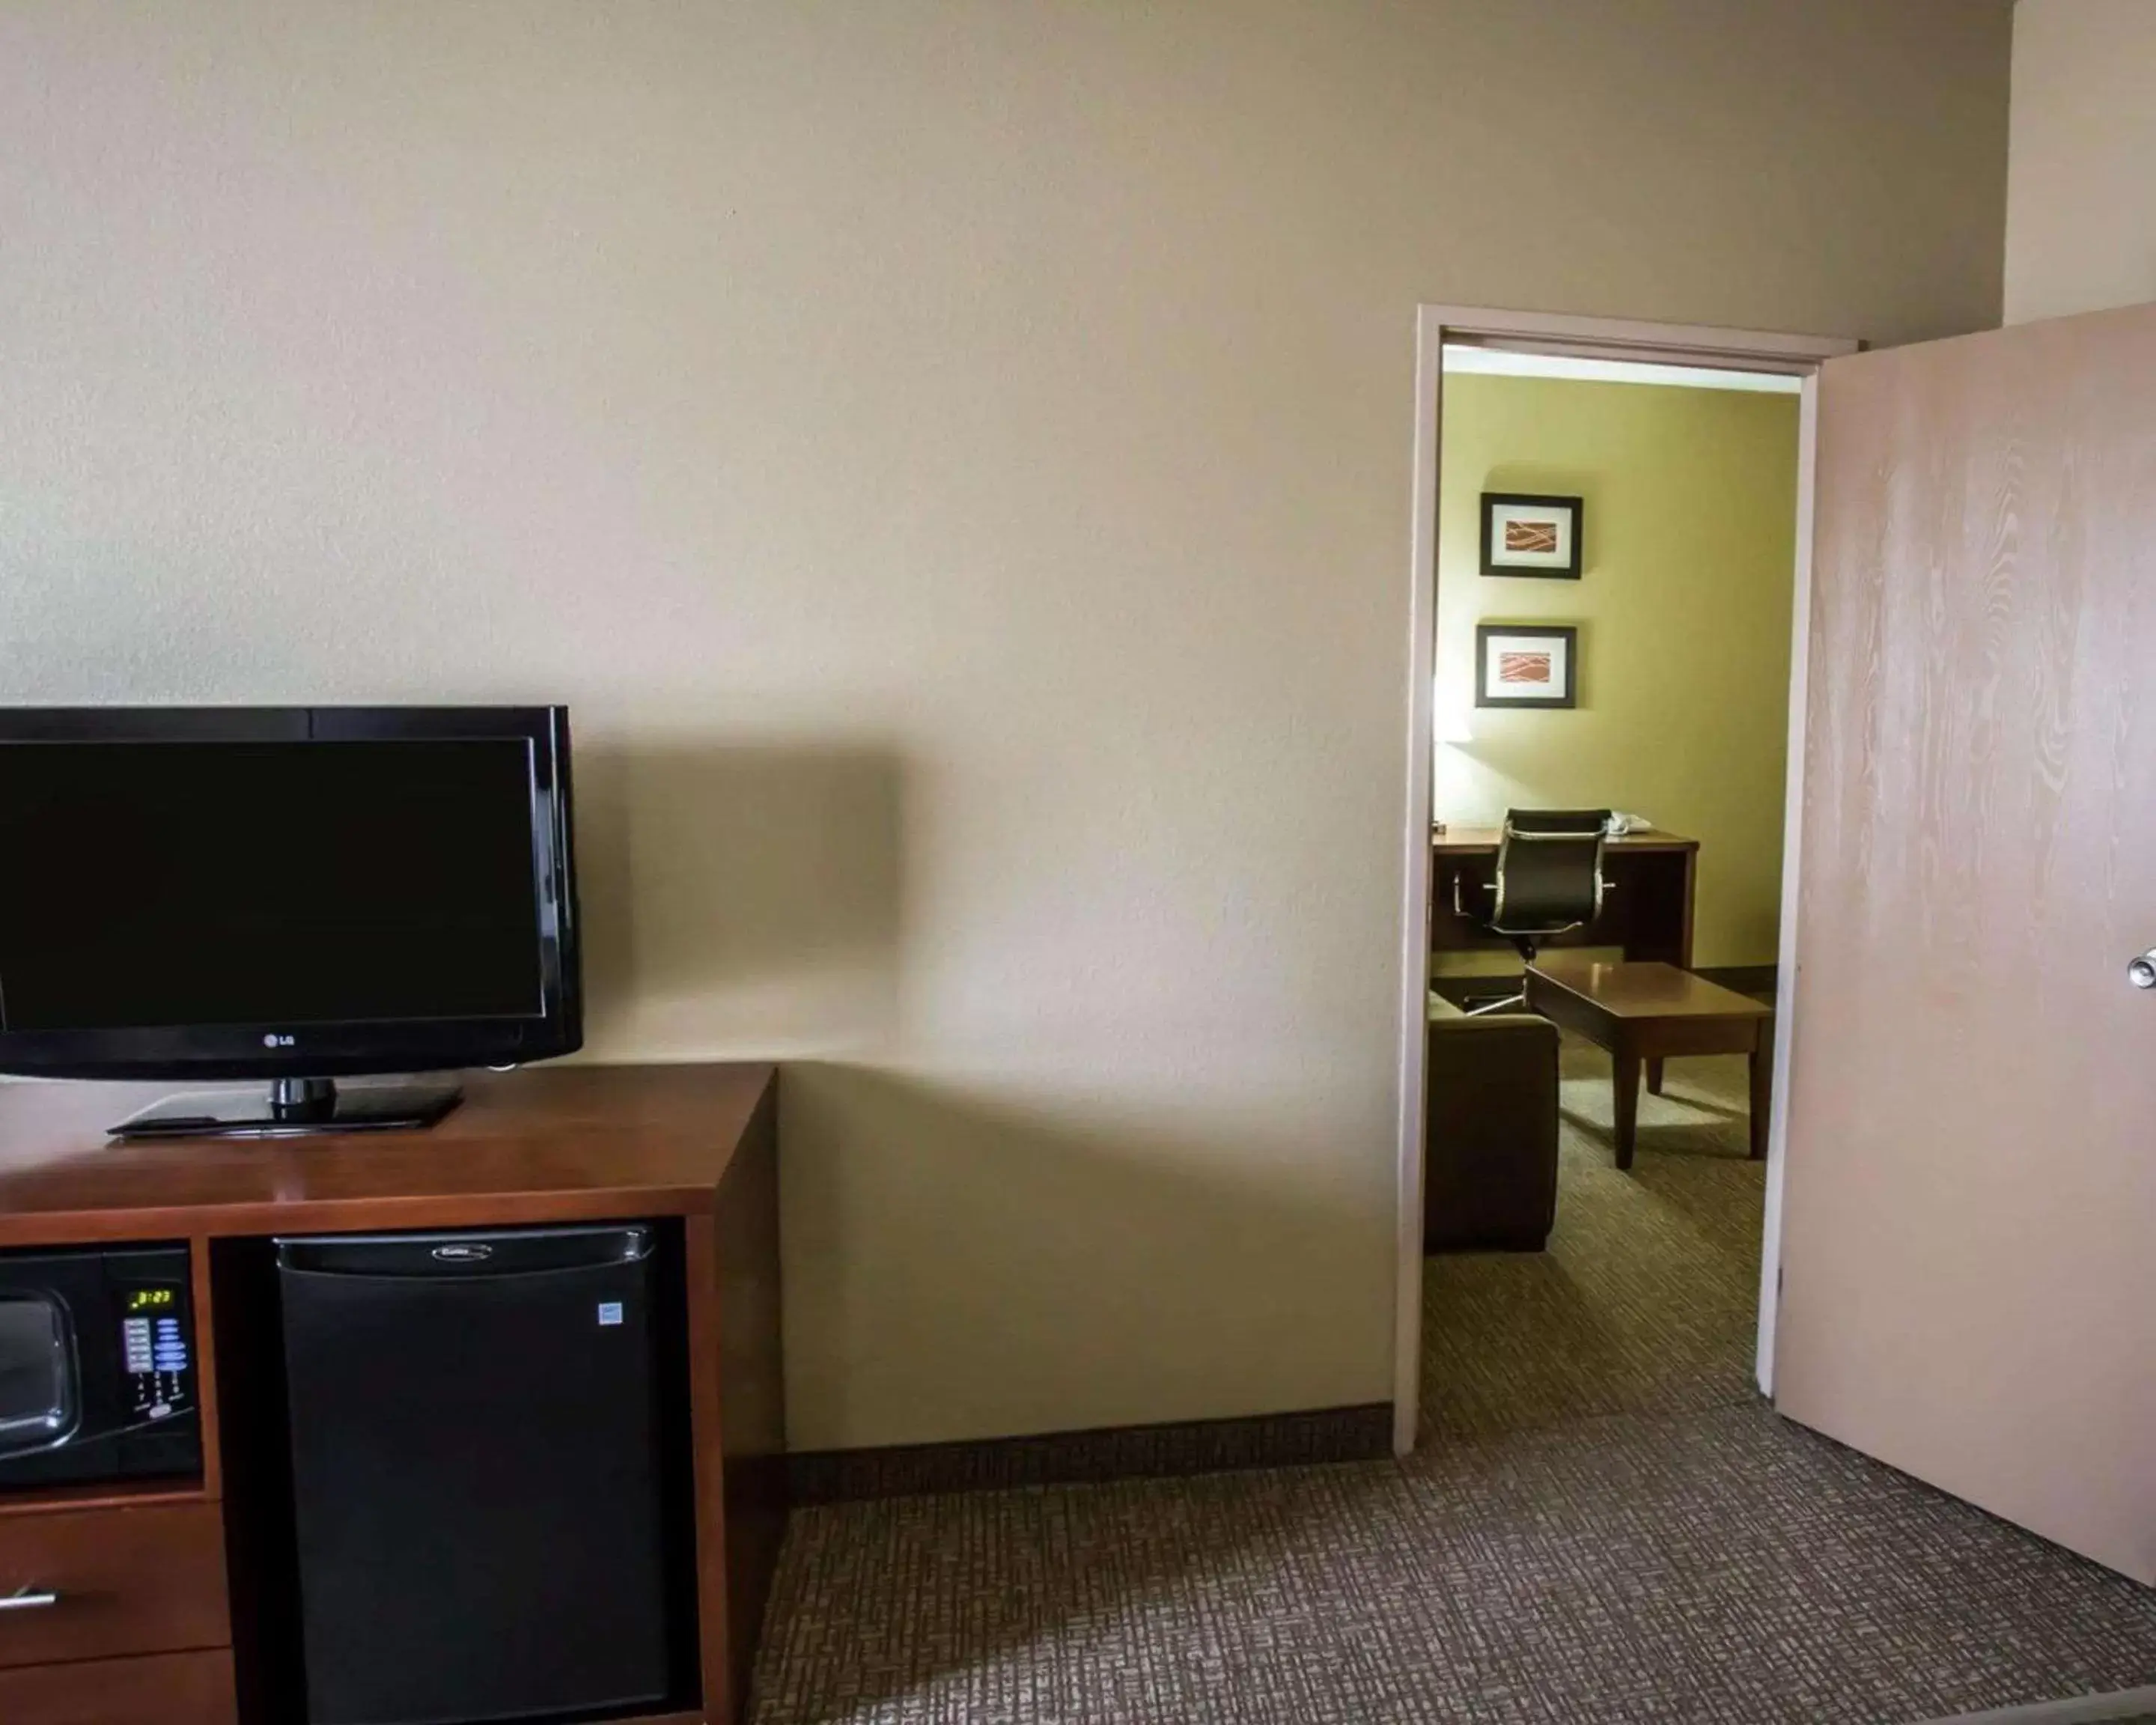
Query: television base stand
(294, 1107)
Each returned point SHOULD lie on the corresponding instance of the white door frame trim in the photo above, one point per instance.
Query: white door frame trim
(1599, 338)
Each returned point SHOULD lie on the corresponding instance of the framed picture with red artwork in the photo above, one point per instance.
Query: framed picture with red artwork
(1526, 665)
(1523, 534)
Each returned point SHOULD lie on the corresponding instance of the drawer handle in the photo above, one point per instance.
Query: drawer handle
(24, 1599)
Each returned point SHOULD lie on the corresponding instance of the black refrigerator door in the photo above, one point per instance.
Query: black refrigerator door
(476, 1474)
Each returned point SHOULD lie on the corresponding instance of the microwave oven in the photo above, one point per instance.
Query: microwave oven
(97, 1366)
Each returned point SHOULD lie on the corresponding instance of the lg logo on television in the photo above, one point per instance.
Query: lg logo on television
(273, 1040)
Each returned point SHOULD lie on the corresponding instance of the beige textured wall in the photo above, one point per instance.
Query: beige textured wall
(954, 460)
(1683, 609)
(2080, 204)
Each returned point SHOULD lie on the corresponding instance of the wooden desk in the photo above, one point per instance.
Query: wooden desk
(692, 1148)
(1647, 910)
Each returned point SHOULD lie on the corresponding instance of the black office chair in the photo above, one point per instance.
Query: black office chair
(1548, 882)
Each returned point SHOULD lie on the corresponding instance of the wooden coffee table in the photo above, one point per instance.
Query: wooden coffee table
(1645, 1012)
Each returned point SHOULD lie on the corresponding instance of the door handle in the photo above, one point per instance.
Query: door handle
(27, 1599)
(2142, 972)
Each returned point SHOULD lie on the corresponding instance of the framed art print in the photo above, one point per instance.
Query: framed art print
(1526, 665)
(1526, 535)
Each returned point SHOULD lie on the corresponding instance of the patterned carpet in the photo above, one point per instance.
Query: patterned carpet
(1647, 1299)
(1604, 1524)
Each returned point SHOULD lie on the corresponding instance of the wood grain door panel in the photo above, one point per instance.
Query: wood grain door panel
(170, 1689)
(1970, 1219)
(122, 1581)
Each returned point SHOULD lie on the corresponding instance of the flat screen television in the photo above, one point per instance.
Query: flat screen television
(287, 893)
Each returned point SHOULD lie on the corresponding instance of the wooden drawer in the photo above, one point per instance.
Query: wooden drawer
(170, 1689)
(121, 1581)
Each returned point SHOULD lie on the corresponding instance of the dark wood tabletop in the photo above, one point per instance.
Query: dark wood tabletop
(1646, 1014)
(552, 1144)
(1645, 991)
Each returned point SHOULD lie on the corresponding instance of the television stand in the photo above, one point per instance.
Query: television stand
(294, 1107)
(176, 1592)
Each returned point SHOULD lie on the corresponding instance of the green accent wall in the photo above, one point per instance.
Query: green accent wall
(1684, 616)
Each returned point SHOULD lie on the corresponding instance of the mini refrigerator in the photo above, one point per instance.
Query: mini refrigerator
(477, 1474)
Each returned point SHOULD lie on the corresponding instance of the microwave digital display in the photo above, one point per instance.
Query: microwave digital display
(152, 1299)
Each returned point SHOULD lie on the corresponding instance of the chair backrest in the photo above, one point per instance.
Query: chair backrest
(1549, 870)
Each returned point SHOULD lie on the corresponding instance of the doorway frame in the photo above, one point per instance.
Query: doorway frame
(1583, 338)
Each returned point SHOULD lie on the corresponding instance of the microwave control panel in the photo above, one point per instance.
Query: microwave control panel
(157, 1350)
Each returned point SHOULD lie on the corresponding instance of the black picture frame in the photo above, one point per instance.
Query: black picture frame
(1567, 634)
(1575, 507)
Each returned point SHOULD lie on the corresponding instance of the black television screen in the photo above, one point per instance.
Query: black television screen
(265, 883)
(262, 891)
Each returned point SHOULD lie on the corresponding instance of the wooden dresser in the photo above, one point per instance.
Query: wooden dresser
(160, 1611)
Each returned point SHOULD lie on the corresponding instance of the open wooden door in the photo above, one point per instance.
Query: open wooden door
(1969, 1262)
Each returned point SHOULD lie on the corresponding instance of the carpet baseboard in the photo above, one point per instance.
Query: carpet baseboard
(1361, 1433)
(2121, 1706)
